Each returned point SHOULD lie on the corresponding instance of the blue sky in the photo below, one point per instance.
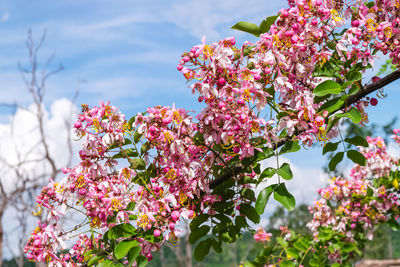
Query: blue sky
(127, 51)
(124, 51)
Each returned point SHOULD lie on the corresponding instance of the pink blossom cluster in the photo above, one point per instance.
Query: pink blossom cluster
(373, 28)
(93, 187)
(233, 85)
(183, 169)
(378, 161)
(178, 188)
(357, 204)
(262, 236)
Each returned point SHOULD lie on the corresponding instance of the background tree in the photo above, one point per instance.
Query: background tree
(28, 153)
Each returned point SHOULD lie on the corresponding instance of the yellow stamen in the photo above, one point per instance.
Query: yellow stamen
(168, 137)
(335, 15)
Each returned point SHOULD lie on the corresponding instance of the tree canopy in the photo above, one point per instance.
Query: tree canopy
(139, 178)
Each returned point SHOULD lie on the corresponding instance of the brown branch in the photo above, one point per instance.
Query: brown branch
(350, 100)
(371, 88)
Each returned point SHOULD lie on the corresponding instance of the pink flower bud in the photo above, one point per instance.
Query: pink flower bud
(172, 226)
(149, 256)
(179, 67)
(355, 23)
(257, 76)
(375, 79)
(221, 82)
(157, 232)
(175, 215)
(241, 101)
(373, 101)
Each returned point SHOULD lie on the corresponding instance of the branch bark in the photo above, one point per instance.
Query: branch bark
(350, 100)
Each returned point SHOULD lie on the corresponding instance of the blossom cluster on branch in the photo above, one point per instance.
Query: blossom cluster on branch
(139, 178)
(346, 215)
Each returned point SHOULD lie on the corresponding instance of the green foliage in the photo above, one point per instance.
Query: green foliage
(353, 114)
(285, 172)
(263, 198)
(327, 87)
(247, 27)
(282, 195)
(265, 25)
(335, 160)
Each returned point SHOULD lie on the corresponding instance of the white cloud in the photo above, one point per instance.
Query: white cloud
(20, 138)
(204, 17)
(5, 17)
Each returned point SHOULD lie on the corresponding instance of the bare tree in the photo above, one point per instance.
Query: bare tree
(26, 168)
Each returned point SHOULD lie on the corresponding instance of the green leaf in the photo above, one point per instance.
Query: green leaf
(301, 246)
(284, 197)
(144, 148)
(202, 249)
(285, 172)
(346, 84)
(217, 245)
(327, 87)
(122, 248)
(335, 160)
(247, 193)
(121, 230)
(332, 105)
(290, 146)
(250, 212)
(240, 222)
(331, 45)
(353, 90)
(141, 261)
(370, 4)
(287, 263)
(198, 233)
(393, 224)
(195, 223)
(133, 253)
(266, 23)
(353, 76)
(263, 198)
(136, 137)
(247, 27)
(331, 123)
(329, 147)
(138, 164)
(250, 264)
(94, 260)
(256, 168)
(370, 192)
(357, 141)
(130, 152)
(268, 172)
(282, 242)
(349, 247)
(356, 157)
(106, 263)
(353, 114)
(131, 121)
(292, 252)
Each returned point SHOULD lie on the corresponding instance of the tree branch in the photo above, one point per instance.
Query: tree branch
(350, 100)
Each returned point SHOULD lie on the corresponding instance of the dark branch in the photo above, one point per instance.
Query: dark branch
(350, 100)
(371, 88)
